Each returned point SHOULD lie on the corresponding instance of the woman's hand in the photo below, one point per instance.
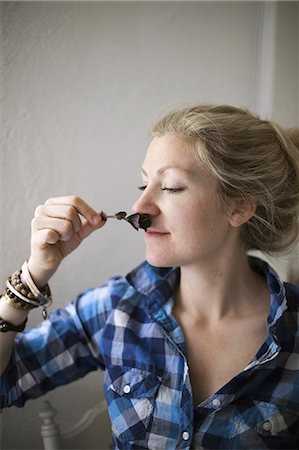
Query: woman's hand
(58, 227)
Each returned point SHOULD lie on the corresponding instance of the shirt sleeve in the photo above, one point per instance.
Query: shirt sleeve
(61, 349)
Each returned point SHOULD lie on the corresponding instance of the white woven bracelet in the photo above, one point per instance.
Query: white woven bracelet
(43, 299)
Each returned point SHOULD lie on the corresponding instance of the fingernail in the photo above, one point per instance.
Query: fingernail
(103, 216)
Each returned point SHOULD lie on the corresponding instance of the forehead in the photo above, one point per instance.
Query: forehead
(171, 151)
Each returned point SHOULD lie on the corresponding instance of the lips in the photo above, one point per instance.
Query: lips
(156, 232)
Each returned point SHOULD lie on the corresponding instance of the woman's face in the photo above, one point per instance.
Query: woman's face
(189, 223)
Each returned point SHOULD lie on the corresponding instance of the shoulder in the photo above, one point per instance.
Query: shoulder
(126, 293)
(142, 280)
(101, 300)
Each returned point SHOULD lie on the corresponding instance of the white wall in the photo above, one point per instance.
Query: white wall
(286, 96)
(286, 86)
(82, 83)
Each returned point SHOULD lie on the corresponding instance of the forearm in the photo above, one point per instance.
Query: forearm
(58, 228)
(20, 296)
(55, 352)
(15, 317)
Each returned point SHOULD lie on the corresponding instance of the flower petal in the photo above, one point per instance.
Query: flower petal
(121, 215)
(133, 219)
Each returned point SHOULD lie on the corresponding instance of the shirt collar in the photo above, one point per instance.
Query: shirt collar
(158, 284)
(278, 301)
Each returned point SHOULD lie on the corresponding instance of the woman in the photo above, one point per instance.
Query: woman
(198, 343)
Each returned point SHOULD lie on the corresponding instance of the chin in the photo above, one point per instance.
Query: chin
(160, 261)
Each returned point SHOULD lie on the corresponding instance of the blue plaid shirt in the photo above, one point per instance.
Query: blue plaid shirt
(127, 329)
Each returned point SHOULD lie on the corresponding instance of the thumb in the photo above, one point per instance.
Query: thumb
(98, 220)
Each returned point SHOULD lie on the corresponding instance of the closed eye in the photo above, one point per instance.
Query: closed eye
(173, 190)
(170, 190)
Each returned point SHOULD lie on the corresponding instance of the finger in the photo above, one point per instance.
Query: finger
(89, 228)
(45, 237)
(61, 212)
(62, 227)
(81, 206)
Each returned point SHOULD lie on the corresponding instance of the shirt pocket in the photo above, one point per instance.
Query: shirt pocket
(130, 395)
(268, 425)
(276, 420)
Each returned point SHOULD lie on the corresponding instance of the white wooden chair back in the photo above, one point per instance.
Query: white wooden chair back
(55, 439)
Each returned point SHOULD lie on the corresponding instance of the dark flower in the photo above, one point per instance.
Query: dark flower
(136, 220)
(121, 215)
(139, 221)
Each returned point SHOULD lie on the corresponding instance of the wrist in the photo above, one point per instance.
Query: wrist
(10, 314)
(39, 275)
(22, 294)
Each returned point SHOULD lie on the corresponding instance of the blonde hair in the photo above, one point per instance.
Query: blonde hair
(251, 159)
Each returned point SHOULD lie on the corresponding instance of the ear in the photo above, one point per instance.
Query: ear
(242, 211)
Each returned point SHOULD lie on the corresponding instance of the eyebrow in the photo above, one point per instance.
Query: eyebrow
(163, 169)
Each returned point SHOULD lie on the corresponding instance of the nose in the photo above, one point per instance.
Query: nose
(146, 204)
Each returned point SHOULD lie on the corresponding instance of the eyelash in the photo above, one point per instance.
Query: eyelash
(169, 190)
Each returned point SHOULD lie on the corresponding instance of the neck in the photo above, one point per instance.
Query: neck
(221, 289)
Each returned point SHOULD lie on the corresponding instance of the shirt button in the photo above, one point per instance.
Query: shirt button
(127, 388)
(267, 426)
(185, 435)
(216, 402)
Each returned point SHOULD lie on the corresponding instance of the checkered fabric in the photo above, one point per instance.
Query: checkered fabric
(126, 328)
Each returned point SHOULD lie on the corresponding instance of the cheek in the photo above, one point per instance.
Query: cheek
(194, 214)
(205, 217)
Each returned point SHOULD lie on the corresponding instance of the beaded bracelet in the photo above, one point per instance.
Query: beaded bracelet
(16, 290)
(26, 296)
(15, 302)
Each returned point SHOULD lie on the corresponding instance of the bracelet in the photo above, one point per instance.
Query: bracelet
(16, 303)
(12, 292)
(45, 298)
(7, 326)
(17, 294)
(26, 296)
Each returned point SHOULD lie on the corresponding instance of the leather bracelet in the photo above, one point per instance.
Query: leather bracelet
(7, 326)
